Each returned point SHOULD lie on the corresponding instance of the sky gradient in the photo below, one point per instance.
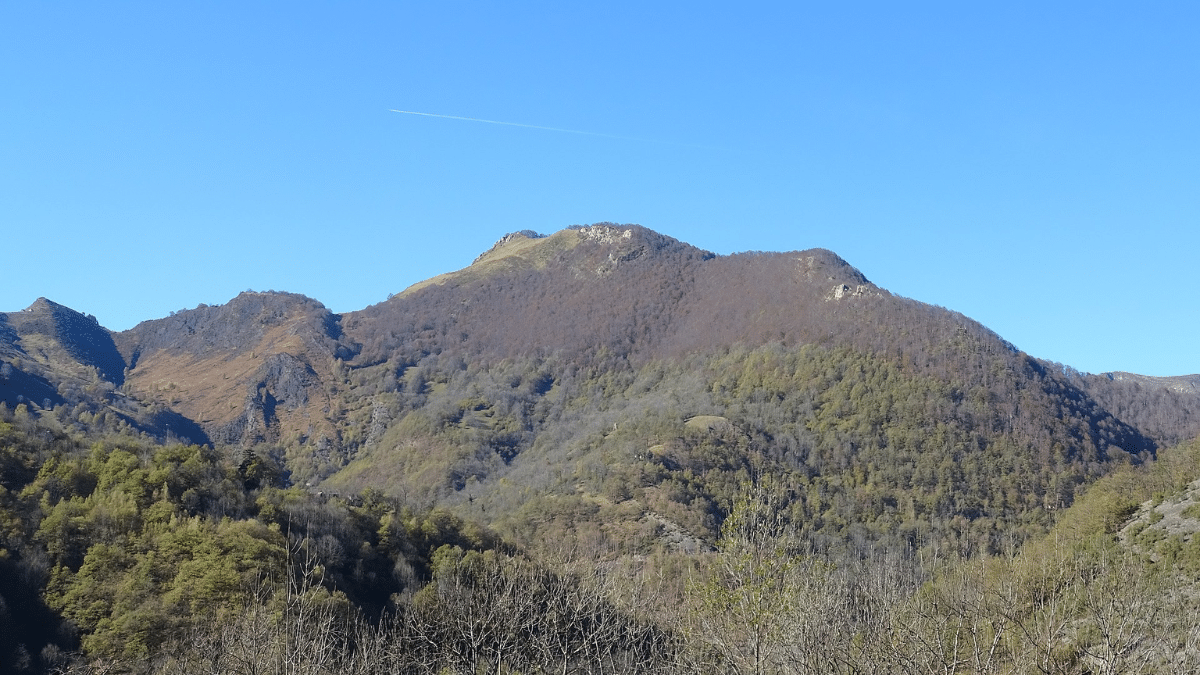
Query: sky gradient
(1035, 166)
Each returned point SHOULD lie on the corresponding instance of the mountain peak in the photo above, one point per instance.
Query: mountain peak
(590, 249)
(47, 328)
(625, 238)
(46, 307)
(605, 233)
(511, 237)
(42, 304)
(627, 235)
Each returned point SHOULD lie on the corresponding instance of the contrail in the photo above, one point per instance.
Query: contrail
(534, 126)
(513, 124)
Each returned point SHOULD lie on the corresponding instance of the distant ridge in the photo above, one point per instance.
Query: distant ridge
(1189, 384)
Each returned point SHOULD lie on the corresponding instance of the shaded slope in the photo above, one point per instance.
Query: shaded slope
(55, 358)
(48, 332)
(1165, 408)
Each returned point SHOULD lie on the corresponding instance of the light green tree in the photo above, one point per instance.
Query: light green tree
(756, 608)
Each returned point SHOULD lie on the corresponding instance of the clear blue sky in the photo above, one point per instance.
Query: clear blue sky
(1033, 165)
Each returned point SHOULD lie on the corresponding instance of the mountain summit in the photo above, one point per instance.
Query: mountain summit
(625, 288)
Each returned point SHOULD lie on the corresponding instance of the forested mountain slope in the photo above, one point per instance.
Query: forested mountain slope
(605, 412)
(123, 556)
(612, 379)
(555, 384)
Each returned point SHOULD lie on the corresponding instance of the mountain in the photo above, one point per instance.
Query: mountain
(609, 386)
(251, 370)
(55, 357)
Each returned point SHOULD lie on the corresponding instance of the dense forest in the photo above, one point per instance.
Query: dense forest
(598, 451)
(119, 556)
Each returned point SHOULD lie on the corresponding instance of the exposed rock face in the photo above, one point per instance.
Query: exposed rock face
(1167, 518)
(845, 291)
(605, 234)
(255, 368)
(605, 246)
(236, 326)
(279, 392)
(287, 381)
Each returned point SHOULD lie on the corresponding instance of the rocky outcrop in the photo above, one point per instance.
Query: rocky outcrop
(604, 247)
(283, 386)
(523, 234)
(239, 325)
(248, 371)
(845, 291)
(605, 233)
